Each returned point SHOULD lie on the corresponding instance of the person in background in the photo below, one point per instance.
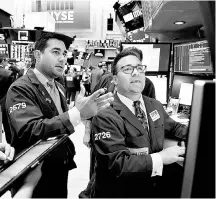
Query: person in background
(86, 81)
(22, 67)
(104, 67)
(70, 85)
(96, 75)
(7, 77)
(127, 139)
(36, 109)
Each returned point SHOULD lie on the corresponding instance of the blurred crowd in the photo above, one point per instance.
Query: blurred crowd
(73, 75)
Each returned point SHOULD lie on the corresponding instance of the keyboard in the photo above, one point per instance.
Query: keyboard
(183, 116)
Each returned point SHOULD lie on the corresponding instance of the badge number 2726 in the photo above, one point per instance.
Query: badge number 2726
(102, 135)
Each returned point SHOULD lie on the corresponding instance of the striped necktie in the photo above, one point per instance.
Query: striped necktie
(140, 114)
(54, 93)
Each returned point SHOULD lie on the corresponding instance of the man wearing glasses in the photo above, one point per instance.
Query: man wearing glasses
(128, 137)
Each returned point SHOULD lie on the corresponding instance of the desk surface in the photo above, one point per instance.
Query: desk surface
(180, 120)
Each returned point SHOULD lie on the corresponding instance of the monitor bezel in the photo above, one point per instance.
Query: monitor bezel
(146, 43)
(189, 42)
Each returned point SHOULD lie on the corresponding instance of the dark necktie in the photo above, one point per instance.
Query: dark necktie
(140, 114)
(55, 95)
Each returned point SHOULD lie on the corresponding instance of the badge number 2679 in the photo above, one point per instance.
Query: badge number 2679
(17, 107)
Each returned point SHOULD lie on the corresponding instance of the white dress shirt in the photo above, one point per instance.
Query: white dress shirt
(156, 158)
(73, 113)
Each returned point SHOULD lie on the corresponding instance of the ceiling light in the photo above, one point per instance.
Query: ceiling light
(179, 22)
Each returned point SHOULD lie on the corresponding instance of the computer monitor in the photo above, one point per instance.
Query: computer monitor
(160, 84)
(192, 57)
(199, 164)
(155, 55)
(182, 86)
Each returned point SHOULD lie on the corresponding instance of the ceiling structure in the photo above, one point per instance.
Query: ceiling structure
(162, 24)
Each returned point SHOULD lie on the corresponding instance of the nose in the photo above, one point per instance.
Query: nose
(135, 72)
(62, 58)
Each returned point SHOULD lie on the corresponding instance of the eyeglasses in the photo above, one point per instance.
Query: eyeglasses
(129, 69)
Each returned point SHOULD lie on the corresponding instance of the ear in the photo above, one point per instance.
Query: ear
(115, 79)
(37, 55)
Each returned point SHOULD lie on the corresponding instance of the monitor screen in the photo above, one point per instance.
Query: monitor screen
(182, 86)
(201, 144)
(99, 52)
(193, 57)
(131, 15)
(155, 56)
(160, 84)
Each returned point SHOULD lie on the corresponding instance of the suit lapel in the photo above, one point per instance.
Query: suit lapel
(62, 97)
(42, 90)
(127, 114)
(149, 108)
(47, 97)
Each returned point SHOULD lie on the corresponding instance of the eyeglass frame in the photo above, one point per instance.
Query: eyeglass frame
(133, 68)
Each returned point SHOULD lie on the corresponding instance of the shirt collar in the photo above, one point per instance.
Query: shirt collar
(129, 103)
(41, 77)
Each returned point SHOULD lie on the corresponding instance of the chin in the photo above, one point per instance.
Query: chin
(137, 89)
(58, 73)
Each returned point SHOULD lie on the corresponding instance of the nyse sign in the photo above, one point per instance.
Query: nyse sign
(63, 16)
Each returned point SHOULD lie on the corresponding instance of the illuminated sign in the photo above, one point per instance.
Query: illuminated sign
(23, 35)
(137, 13)
(2, 37)
(68, 14)
(63, 16)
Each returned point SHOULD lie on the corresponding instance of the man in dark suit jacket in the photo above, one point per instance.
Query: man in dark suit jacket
(36, 109)
(130, 159)
(96, 74)
(6, 79)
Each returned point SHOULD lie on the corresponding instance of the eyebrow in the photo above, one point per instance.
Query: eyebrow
(59, 49)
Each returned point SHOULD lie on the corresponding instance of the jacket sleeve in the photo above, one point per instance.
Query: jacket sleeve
(174, 129)
(109, 145)
(26, 120)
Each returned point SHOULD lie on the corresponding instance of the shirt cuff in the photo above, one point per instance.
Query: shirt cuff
(157, 164)
(74, 116)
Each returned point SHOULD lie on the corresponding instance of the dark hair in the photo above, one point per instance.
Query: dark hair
(127, 51)
(3, 57)
(100, 64)
(41, 43)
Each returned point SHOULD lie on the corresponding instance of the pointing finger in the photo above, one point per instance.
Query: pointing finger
(104, 102)
(105, 97)
(104, 106)
(82, 90)
(97, 93)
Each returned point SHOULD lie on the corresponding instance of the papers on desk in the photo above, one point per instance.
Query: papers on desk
(185, 94)
(184, 121)
(160, 84)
